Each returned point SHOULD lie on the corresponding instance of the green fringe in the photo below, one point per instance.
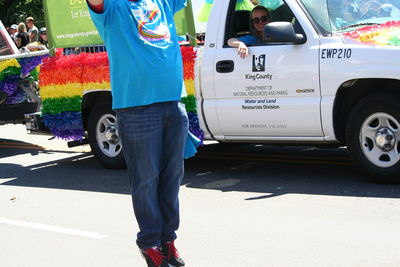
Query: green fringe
(9, 71)
(35, 74)
(190, 103)
(58, 105)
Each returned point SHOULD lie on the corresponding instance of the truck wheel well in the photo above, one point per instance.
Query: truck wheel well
(90, 100)
(350, 93)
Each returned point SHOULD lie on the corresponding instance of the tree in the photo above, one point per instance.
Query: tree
(15, 11)
(4, 6)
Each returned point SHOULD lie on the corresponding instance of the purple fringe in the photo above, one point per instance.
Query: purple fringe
(66, 125)
(194, 126)
(28, 64)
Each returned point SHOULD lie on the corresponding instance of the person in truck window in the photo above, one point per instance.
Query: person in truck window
(22, 37)
(142, 43)
(259, 17)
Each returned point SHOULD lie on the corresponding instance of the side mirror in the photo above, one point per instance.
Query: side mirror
(282, 32)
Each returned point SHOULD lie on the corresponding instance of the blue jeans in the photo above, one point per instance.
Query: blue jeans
(153, 139)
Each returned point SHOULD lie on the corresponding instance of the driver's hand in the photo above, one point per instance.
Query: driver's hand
(243, 51)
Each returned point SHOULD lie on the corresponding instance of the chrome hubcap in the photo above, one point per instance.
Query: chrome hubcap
(380, 139)
(111, 134)
(107, 136)
(385, 139)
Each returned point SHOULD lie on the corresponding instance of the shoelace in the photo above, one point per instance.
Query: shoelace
(172, 251)
(155, 256)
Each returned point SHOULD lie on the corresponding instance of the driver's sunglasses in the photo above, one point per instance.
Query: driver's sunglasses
(257, 20)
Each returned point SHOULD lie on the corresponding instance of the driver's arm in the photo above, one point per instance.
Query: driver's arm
(243, 51)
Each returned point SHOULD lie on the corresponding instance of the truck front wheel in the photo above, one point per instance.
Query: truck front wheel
(103, 137)
(373, 137)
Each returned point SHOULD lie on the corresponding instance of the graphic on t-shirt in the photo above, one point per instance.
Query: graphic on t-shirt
(152, 25)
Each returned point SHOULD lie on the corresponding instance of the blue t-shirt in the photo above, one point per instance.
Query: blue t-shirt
(249, 39)
(143, 50)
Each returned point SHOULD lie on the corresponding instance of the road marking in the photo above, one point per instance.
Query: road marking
(44, 166)
(50, 228)
(83, 158)
(6, 180)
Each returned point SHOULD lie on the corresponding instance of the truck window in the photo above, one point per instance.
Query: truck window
(239, 22)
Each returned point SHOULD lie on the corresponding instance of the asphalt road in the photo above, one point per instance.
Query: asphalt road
(241, 205)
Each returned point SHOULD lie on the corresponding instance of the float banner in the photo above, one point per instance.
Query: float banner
(69, 24)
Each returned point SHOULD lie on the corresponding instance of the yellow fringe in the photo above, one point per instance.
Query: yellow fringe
(9, 63)
(61, 90)
(189, 84)
(96, 86)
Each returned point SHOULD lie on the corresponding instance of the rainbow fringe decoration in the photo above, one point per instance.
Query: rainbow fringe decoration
(188, 57)
(10, 75)
(64, 80)
(383, 34)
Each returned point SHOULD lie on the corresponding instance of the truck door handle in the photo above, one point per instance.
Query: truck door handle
(225, 66)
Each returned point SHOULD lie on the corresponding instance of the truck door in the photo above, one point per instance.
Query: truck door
(274, 91)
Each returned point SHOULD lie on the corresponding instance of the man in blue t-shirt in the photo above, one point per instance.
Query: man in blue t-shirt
(146, 83)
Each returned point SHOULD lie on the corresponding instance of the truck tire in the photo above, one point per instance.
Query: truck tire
(373, 137)
(103, 137)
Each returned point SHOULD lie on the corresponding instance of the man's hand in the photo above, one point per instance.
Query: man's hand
(95, 2)
(96, 5)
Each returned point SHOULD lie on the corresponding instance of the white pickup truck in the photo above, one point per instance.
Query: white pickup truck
(327, 74)
(315, 80)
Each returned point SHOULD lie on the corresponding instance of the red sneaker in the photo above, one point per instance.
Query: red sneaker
(169, 250)
(154, 257)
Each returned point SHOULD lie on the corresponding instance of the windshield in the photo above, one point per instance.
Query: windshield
(333, 16)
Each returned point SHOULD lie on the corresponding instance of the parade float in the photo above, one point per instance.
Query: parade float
(19, 75)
